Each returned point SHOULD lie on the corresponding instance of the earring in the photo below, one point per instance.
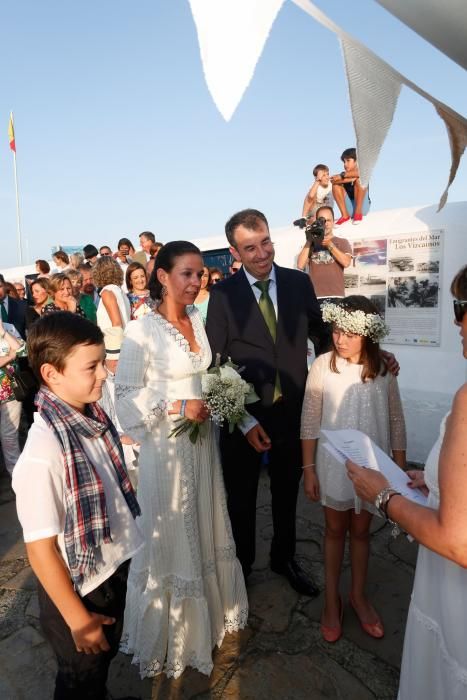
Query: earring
(164, 291)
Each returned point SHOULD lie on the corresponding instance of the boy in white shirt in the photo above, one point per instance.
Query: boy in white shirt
(76, 505)
(319, 194)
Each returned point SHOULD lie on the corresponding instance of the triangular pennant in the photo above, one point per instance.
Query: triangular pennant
(457, 132)
(442, 24)
(374, 89)
(232, 35)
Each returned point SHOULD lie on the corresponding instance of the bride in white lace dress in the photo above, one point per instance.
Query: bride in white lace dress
(186, 587)
(434, 662)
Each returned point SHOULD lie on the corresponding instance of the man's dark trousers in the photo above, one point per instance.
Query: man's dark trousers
(241, 467)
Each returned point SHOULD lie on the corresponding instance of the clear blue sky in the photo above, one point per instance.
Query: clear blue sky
(117, 133)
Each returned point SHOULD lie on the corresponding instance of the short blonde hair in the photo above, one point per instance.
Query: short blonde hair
(106, 271)
(56, 282)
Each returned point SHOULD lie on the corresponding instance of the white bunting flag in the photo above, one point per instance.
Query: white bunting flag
(232, 35)
(374, 89)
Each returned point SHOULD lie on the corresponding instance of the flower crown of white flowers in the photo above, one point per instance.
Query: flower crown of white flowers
(357, 321)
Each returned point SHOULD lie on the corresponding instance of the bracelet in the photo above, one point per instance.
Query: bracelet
(306, 466)
(380, 497)
(3, 335)
(182, 408)
(381, 504)
(386, 503)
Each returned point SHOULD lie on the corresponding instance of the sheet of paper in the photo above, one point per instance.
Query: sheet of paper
(358, 447)
(335, 453)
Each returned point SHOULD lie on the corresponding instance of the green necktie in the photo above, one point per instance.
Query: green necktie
(267, 309)
(4, 312)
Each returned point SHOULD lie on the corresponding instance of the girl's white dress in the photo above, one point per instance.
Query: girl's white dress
(186, 587)
(335, 401)
(434, 662)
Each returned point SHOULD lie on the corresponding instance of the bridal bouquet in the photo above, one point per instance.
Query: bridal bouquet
(225, 393)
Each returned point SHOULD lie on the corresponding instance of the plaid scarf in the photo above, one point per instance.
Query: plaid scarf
(86, 520)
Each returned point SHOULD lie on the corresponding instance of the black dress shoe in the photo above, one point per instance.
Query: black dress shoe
(297, 578)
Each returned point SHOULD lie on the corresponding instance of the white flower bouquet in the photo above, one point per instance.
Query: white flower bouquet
(226, 394)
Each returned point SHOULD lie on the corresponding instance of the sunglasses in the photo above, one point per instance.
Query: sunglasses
(460, 307)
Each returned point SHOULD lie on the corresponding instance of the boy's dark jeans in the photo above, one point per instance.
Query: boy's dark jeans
(83, 676)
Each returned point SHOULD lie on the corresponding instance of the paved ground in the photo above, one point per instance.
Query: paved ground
(279, 657)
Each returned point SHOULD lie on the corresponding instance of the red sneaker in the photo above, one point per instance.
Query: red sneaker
(342, 220)
(357, 219)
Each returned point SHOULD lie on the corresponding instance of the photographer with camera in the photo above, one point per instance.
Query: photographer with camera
(325, 255)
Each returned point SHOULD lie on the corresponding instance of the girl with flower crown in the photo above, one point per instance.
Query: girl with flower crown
(349, 387)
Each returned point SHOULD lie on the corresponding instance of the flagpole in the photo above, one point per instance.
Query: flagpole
(18, 218)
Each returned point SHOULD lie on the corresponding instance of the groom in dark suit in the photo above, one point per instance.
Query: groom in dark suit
(262, 318)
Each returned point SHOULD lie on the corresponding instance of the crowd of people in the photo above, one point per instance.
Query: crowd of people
(143, 539)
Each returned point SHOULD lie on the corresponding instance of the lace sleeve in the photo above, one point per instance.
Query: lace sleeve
(139, 408)
(313, 400)
(396, 416)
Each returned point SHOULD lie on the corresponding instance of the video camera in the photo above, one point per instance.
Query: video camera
(314, 231)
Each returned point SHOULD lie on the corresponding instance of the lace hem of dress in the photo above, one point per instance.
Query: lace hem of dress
(236, 623)
(173, 668)
(456, 670)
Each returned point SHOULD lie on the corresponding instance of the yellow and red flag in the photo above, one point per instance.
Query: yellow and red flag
(11, 134)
